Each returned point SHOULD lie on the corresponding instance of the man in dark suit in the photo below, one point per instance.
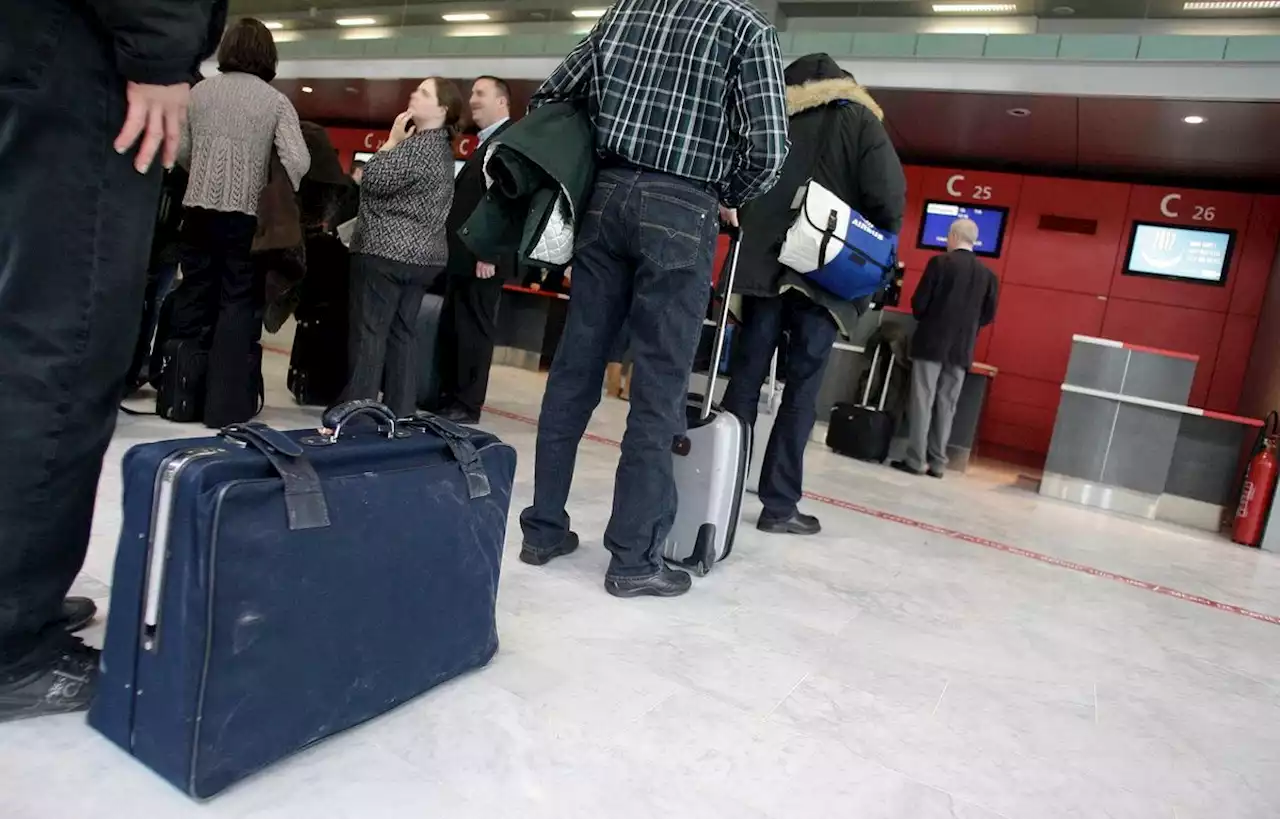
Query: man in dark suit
(474, 288)
(956, 298)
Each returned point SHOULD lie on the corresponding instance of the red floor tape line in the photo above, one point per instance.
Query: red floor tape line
(979, 541)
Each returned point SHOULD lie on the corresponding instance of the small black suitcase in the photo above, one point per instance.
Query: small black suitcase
(318, 362)
(428, 334)
(860, 430)
(180, 385)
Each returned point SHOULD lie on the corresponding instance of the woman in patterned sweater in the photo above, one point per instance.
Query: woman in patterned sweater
(399, 244)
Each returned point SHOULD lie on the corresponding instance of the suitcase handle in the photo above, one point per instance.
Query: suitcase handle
(336, 417)
(458, 439)
(303, 496)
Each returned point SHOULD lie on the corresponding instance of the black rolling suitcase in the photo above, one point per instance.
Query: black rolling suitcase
(860, 430)
(428, 334)
(274, 588)
(180, 382)
(318, 361)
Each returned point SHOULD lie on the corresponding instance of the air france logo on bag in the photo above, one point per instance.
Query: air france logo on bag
(859, 221)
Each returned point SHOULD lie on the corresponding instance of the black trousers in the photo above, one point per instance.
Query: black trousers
(220, 302)
(468, 331)
(75, 232)
(383, 337)
(805, 331)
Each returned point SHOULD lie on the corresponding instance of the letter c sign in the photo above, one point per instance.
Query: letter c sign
(953, 185)
(1166, 205)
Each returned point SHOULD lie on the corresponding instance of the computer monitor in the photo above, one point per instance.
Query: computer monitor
(1179, 253)
(938, 217)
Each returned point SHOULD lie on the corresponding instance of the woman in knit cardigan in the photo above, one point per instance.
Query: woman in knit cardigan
(236, 121)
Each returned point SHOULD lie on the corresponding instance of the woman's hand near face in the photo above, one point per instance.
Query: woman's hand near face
(401, 128)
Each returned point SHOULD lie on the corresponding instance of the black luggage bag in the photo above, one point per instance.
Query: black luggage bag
(860, 430)
(318, 362)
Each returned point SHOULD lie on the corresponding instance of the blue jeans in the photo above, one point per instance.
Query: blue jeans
(645, 249)
(808, 332)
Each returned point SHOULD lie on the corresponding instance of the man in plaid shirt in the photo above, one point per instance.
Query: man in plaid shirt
(689, 105)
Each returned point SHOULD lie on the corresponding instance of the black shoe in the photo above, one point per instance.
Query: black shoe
(666, 583)
(459, 415)
(903, 466)
(77, 612)
(935, 473)
(538, 558)
(797, 524)
(61, 688)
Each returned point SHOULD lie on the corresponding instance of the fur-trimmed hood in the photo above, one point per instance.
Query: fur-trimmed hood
(816, 94)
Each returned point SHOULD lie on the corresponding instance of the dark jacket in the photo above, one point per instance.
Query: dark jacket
(161, 42)
(956, 298)
(542, 168)
(468, 192)
(836, 120)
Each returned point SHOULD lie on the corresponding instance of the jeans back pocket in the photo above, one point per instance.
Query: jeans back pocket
(676, 231)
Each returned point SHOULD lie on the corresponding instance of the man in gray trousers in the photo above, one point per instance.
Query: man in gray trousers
(955, 299)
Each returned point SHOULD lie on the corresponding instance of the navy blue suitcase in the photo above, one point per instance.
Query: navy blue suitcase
(272, 589)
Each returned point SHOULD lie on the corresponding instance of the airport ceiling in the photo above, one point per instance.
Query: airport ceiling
(1103, 137)
(304, 14)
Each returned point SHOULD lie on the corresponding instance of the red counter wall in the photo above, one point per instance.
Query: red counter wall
(1064, 276)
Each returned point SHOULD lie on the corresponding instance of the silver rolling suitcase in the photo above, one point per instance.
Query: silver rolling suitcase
(710, 465)
(770, 398)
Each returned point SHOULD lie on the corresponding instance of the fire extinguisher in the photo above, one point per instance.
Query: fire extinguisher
(1259, 485)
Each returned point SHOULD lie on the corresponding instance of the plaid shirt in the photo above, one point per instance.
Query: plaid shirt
(692, 88)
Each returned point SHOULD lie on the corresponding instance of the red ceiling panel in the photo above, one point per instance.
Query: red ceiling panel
(1166, 327)
(1033, 331)
(1232, 362)
(1058, 253)
(1257, 255)
(1191, 208)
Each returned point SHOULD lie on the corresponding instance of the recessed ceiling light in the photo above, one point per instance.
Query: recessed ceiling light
(588, 14)
(1020, 113)
(1232, 5)
(468, 17)
(356, 21)
(974, 8)
(306, 89)
(1193, 120)
(274, 25)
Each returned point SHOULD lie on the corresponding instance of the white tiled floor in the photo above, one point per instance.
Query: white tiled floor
(879, 670)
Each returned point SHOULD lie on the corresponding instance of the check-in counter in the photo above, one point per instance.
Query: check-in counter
(1125, 439)
(530, 323)
(844, 373)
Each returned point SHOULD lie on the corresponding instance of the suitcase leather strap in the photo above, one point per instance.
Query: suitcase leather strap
(303, 496)
(464, 451)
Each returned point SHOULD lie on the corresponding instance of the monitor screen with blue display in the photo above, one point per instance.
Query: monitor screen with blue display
(938, 217)
(1180, 253)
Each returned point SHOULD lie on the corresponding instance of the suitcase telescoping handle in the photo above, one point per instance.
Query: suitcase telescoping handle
(722, 321)
(871, 378)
